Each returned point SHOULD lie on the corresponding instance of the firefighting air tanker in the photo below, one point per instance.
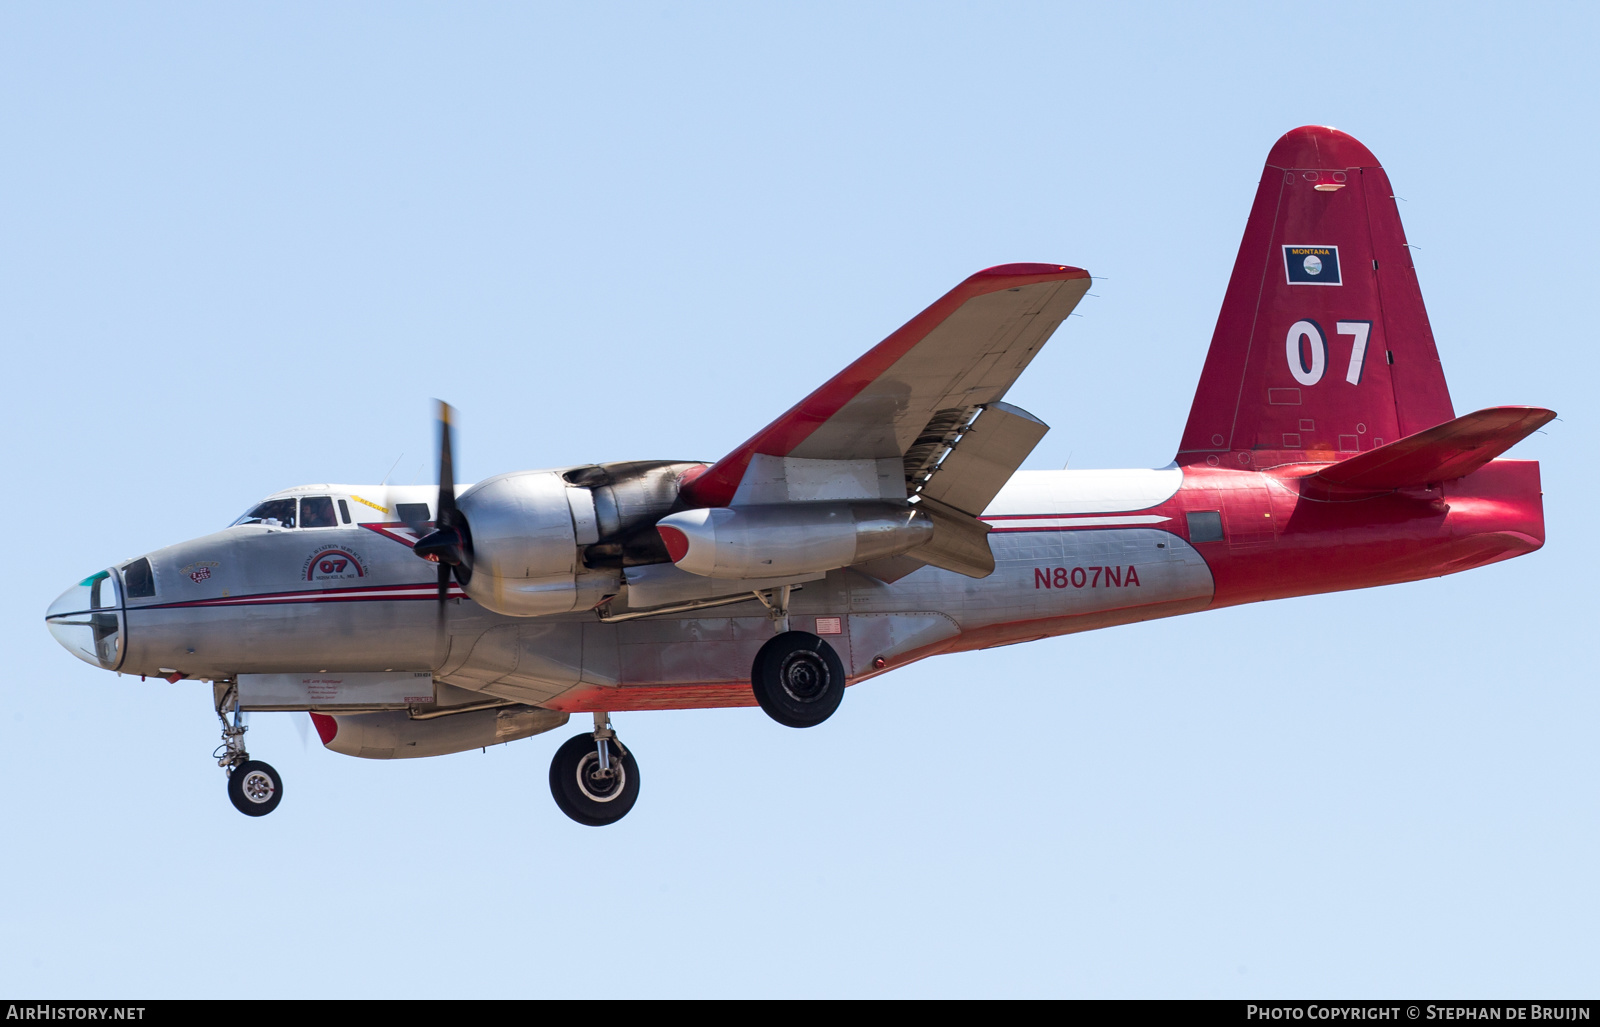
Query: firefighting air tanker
(880, 521)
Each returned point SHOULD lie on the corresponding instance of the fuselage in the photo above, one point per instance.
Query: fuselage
(1074, 550)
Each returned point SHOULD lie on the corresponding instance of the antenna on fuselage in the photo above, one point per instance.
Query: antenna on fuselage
(392, 466)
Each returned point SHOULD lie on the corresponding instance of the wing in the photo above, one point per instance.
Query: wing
(907, 400)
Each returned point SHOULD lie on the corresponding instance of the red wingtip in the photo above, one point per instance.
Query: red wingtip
(327, 727)
(1063, 271)
(1318, 146)
(677, 542)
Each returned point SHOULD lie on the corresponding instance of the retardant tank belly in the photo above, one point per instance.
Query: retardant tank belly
(393, 736)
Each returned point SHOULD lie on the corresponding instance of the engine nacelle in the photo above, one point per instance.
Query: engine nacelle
(525, 559)
(547, 542)
(395, 736)
(790, 538)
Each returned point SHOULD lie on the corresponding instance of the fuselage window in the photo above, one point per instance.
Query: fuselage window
(140, 583)
(412, 515)
(344, 512)
(274, 513)
(317, 512)
(1205, 526)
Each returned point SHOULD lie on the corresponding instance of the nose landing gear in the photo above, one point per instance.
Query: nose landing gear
(593, 777)
(254, 788)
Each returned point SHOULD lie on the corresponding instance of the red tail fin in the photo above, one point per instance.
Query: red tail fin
(1322, 349)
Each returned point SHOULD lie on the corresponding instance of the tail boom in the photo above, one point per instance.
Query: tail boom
(1282, 540)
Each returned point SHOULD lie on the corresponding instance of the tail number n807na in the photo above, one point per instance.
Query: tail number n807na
(1084, 577)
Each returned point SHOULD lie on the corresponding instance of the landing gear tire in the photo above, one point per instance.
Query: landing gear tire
(255, 788)
(586, 793)
(798, 679)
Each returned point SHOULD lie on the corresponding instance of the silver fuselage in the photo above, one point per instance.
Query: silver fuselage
(257, 599)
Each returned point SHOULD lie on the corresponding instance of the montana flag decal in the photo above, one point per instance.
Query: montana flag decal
(1311, 265)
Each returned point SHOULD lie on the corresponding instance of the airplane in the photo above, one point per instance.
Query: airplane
(881, 520)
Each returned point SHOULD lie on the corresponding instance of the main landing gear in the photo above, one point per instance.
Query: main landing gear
(798, 679)
(593, 777)
(254, 788)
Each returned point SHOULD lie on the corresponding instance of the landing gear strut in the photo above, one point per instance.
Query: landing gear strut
(798, 679)
(254, 788)
(593, 777)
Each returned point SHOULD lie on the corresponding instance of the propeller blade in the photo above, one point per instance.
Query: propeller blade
(450, 543)
(451, 540)
(447, 475)
(446, 543)
(438, 624)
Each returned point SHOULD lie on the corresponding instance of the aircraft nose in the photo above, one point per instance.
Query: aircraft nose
(87, 620)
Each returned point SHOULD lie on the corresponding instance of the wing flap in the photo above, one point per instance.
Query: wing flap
(960, 542)
(987, 455)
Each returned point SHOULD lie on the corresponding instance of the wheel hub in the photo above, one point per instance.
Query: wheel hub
(600, 785)
(804, 676)
(258, 787)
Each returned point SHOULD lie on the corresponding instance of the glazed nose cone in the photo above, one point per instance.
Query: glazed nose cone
(87, 620)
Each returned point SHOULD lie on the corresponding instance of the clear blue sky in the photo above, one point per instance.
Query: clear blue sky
(241, 246)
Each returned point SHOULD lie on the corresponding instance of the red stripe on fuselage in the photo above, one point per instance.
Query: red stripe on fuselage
(370, 593)
(1278, 542)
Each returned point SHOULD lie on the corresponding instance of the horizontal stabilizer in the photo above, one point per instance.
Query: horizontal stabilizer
(1453, 449)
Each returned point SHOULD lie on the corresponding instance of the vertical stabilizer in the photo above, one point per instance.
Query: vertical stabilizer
(1322, 349)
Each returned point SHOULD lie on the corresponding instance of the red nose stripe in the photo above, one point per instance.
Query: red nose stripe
(327, 727)
(677, 542)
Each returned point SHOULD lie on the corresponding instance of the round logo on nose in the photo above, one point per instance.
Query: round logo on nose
(1313, 265)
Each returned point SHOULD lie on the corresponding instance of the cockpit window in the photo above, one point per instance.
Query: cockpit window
(103, 591)
(87, 619)
(274, 513)
(141, 583)
(317, 512)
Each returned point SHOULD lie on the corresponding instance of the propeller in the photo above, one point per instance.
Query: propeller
(449, 544)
